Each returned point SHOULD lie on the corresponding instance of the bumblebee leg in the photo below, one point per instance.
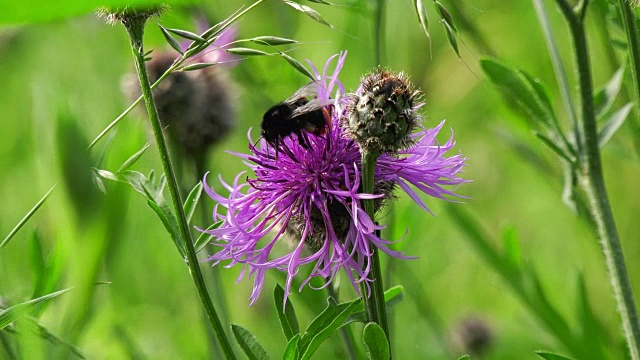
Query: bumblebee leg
(302, 140)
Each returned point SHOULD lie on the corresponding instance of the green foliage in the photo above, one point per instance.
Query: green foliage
(286, 313)
(249, 343)
(375, 342)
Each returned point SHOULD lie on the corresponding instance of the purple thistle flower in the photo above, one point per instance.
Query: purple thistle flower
(312, 196)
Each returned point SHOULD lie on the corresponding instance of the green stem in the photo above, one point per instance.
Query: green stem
(378, 31)
(594, 186)
(633, 42)
(135, 28)
(375, 304)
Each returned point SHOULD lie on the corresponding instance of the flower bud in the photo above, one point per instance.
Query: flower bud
(381, 115)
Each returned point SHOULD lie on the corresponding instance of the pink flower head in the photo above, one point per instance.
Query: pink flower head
(312, 195)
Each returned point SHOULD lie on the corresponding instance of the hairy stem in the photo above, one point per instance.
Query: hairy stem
(594, 186)
(135, 28)
(376, 307)
(633, 42)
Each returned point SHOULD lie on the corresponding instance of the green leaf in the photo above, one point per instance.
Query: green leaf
(422, 17)
(38, 264)
(613, 124)
(308, 11)
(465, 357)
(551, 356)
(15, 312)
(451, 37)
(192, 201)
(246, 51)
(607, 94)
(291, 351)
(249, 343)
(511, 245)
(170, 39)
(273, 40)
(133, 159)
(515, 85)
(553, 146)
(26, 218)
(170, 223)
(288, 319)
(325, 325)
(45, 334)
(205, 238)
(375, 342)
(198, 66)
(592, 329)
(298, 66)
(445, 16)
(187, 35)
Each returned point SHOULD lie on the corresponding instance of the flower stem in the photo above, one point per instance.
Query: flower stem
(378, 31)
(135, 29)
(376, 307)
(594, 186)
(631, 30)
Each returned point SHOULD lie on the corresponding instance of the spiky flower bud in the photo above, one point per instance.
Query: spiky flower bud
(127, 15)
(381, 115)
(473, 336)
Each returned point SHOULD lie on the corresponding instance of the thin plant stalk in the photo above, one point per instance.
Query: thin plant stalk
(376, 307)
(378, 31)
(633, 43)
(135, 30)
(594, 186)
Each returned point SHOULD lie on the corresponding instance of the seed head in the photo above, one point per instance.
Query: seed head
(381, 115)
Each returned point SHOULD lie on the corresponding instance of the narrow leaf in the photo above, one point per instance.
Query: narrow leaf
(551, 356)
(26, 218)
(516, 86)
(511, 245)
(15, 312)
(446, 16)
(465, 357)
(287, 317)
(329, 328)
(308, 11)
(291, 351)
(556, 149)
(375, 342)
(187, 35)
(451, 37)
(205, 238)
(38, 264)
(198, 66)
(613, 124)
(298, 66)
(606, 95)
(249, 343)
(592, 329)
(273, 40)
(132, 160)
(170, 39)
(422, 16)
(192, 201)
(246, 51)
(392, 297)
(170, 224)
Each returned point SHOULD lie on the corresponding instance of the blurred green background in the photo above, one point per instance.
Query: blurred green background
(67, 75)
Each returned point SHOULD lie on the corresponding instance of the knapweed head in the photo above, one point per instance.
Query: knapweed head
(197, 108)
(381, 114)
(128, 15)
(302, 203)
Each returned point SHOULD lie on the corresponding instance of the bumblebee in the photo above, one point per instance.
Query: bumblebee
(295, 114)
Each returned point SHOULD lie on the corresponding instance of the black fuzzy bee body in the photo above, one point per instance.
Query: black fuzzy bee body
(294, 115)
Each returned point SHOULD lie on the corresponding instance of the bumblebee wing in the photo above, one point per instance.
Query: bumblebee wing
(313, 105)
(309, 90)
